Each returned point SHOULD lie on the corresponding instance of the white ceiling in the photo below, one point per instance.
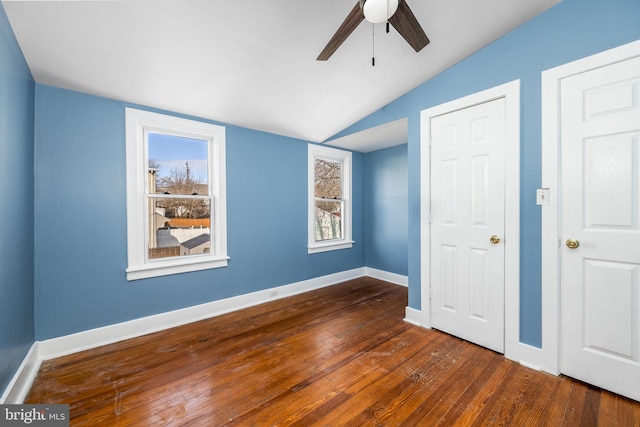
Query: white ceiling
(375, 138)
(250, 63)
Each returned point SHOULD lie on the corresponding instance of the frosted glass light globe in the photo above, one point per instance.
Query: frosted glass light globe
(377, 11)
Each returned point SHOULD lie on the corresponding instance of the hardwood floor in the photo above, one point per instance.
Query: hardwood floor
(337, 356)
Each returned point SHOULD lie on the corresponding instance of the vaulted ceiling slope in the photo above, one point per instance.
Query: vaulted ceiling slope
(250, 63)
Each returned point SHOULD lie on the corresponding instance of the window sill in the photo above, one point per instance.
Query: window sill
(331, 246)
(168, 267)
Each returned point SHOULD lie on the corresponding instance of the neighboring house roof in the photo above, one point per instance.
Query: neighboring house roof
(190, 222)
(196, 241)
(166, 240)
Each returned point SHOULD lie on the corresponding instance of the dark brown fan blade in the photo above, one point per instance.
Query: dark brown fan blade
(352, 21)
(408, 26)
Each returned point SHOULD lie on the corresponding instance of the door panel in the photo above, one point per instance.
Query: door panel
(479, 283)
(600, 208)
(623, 281)
(609, 182)
(449, 278)
(467, 203)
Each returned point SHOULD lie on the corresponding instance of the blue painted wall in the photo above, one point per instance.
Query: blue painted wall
(80, 220)
(77, 215)
(571, 30)
(386, 209)
(16, 205)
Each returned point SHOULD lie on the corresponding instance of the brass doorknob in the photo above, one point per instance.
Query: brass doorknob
(572, 243)
(495, 239)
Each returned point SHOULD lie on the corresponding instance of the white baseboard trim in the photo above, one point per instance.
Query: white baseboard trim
(21, 383)
(394, 278)
(536, 358)
(92, 338)
(413, 316)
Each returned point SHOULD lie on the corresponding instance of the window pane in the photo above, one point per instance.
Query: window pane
(177, 165)
(179, 227)
(327, 179)
(328, 220)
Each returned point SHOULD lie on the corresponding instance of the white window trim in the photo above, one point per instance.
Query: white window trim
(343, 156)
(137, 121)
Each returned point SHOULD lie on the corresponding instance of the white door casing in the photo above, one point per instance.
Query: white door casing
(467, 212)
(509, 93)
(591, 160)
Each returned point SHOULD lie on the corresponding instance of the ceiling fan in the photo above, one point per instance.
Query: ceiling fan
(395, 12)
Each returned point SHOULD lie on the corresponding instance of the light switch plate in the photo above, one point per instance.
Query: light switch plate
(542, 196)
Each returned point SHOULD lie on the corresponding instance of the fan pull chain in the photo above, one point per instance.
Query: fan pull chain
(388, 15)
(373, 45)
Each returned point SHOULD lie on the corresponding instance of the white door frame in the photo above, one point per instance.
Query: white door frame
(511, 93)
(551, 80)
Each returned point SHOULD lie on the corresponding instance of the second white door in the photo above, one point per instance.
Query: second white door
(600, 226)
(468, 222)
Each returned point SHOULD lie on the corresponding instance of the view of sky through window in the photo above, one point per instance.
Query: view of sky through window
(169, 152)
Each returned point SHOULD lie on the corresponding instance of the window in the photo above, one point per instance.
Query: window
(329, 199)
(176, 204)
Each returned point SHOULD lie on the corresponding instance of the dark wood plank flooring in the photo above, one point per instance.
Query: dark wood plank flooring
(338, 356)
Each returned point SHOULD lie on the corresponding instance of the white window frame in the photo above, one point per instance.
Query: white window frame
(317, 151)
(137, 123)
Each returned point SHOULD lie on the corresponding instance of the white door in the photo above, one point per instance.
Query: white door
(600, 226)
(467, 223)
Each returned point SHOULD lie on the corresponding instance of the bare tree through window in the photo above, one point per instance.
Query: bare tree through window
(329, 203)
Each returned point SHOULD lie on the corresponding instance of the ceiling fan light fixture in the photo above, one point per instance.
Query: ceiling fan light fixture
(377, 11)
